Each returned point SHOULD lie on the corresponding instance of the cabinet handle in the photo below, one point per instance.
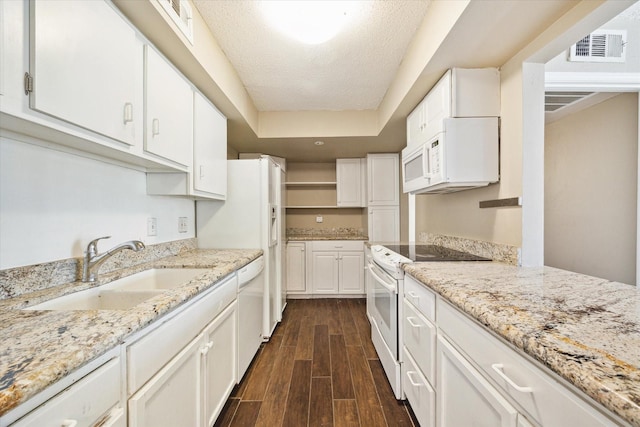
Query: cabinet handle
(413, 295)
(155, 127)
(128, 112)
(412, 322)
(498, 368)
(205, 348)
(69, 423)
(410, 374)
(202, 171)
(337, 246)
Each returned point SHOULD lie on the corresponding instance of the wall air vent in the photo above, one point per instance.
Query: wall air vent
(181, 13)
(600, 46)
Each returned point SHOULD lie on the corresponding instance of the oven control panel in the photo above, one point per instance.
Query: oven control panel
(389, 257)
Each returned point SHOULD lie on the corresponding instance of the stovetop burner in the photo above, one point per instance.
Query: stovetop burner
(423, 253)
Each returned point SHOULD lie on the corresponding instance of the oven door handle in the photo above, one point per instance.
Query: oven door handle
(380, 280)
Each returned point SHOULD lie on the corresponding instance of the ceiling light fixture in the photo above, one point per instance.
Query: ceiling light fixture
(318, 143)
(309, 21)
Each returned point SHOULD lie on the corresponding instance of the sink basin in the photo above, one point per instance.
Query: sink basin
(96, 299)
(122, 294)
(156, 279)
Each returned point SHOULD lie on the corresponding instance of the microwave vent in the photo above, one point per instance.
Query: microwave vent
(600, 46)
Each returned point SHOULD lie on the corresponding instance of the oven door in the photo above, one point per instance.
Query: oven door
(383, 299)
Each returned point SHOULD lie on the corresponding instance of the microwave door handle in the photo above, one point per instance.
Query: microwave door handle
(379, 279)
(427, 161)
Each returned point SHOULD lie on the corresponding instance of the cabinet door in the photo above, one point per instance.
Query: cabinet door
(464, 397)
(83, 62)
(173, 396)
(384, 224)
(296, 275)
(209, 149)
(220, 362)
(438, 107)
(383, 180)
(415, 125)
(168, 111)
(325, 272)
(351, 272)
(94, 398)
(349, 186)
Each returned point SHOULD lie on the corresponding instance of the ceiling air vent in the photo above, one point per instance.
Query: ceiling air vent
(181, 13)
(600, 46)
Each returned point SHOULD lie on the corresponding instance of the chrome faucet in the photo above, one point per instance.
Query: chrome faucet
(92, 260)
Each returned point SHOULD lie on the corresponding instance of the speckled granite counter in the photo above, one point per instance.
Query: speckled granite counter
(337, 233)
(41, 347)
(303, 238)
(585, 329)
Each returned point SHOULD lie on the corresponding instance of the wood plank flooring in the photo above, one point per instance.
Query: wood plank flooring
(319, 369)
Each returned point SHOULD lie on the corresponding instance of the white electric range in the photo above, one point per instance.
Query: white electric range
(385, 287)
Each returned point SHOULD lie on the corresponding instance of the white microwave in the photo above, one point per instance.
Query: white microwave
(463, 156)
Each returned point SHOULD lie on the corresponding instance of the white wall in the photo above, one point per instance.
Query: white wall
(590, 190)
(628, 20)
(53, 203)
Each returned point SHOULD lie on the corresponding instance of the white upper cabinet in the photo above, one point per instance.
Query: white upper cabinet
(83, 65)
(349, 182)
(209, 149)
(461, 92)
(383, 179)
(168, 110)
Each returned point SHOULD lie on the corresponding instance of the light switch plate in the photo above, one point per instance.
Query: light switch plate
(319, 219)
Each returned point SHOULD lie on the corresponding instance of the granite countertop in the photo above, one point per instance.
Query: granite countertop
(309, 237)
(585, 329)
(41, 347)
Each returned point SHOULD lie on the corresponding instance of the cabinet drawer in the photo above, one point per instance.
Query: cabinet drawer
(420, 340)
(85, 402)
(150, 353)
(538, 393)
(421, 297)
(419, 393)
(337, 245)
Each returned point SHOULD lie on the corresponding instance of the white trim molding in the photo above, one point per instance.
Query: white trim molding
(592, 82)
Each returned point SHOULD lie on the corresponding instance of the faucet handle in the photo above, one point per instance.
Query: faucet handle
(92, 247)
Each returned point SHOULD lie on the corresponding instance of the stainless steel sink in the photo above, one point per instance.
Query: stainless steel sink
(123, 294)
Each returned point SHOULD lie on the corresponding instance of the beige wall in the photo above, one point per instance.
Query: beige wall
(590, 190)
(318, 196)
(458, 214)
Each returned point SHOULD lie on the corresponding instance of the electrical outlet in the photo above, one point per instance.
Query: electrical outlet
(182, 224)
(152, 227)
(319, 219)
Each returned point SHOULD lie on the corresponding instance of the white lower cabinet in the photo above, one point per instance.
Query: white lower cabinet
(464, 397)
(171, 383)
(419, 392)
(337, 267)
(455, 373)
(220, 362)
(296, 268)
(172, 397)
(193, 387)
(94, 400)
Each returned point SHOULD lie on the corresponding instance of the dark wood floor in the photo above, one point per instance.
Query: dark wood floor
(319, 369)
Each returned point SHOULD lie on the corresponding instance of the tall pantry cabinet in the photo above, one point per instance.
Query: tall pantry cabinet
(383, 197)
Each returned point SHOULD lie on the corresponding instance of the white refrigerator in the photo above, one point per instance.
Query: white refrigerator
(249, 219)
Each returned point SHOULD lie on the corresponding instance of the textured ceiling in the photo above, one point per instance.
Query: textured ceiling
(349, 72)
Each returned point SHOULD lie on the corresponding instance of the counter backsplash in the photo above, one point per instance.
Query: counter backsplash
(21, 280)
(336, 232)
(495, 251)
